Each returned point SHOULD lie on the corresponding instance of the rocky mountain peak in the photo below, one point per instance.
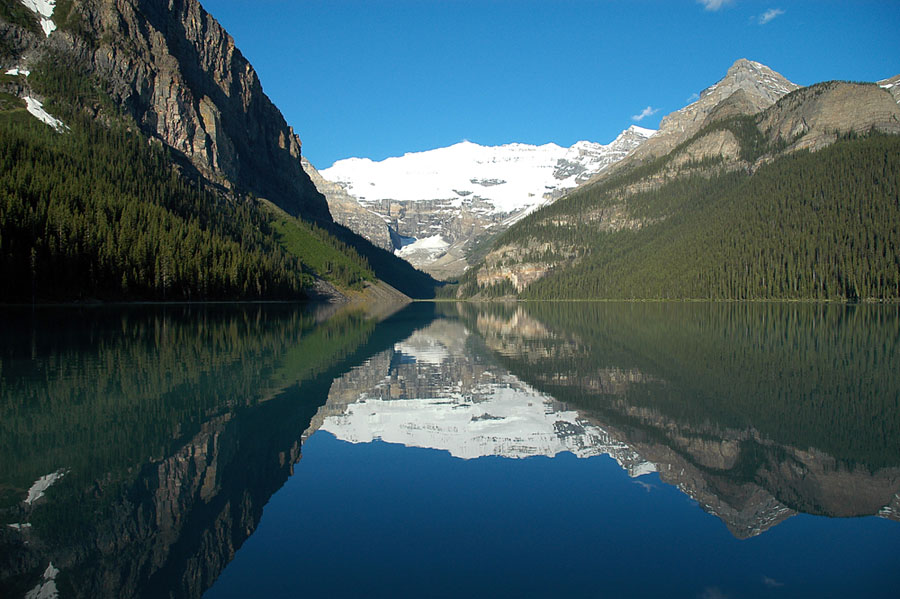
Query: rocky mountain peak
(747, 88)
(753, 77)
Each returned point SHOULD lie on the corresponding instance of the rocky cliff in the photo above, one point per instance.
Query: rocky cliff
(814, 117)
(747, 88)
(347, 211)
(177, 73)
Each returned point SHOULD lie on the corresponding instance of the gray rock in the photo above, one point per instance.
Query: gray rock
(177, 72)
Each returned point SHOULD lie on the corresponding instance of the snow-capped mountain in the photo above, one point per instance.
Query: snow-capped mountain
(511, 421)
(491, 179)
(430, 391)
(436, 202)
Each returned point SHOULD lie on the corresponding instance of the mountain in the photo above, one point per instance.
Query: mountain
(680, 385)
(434, 206)
(349, 212)
(178, 73)
(747, 88)
(752, 192)
(185, 137)
(430, 391)
(155, 483)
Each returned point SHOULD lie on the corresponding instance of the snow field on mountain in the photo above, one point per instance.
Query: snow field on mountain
(434, 246)
(506, 178)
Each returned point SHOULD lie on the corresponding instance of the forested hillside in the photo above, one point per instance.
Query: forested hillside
(92, 207)
(96, 212)
(823, 226)
(801, 201)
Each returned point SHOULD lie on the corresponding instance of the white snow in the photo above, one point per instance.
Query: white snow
(508, 421)
(18, 71)
(432, 246)
(423, 350)
(36, 108)
(43, 9)
(20, 527)
(488, 179)
(46, 589)
(42, 484)
(642, 131)
(486, 415)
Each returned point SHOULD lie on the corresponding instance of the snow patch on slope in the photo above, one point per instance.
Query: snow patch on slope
(36, 108)
(46, 589)
(428, 248)
(44, 10)
(41, 485)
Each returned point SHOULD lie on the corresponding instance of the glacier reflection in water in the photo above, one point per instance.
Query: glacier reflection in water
(382, 504)
(432, 393)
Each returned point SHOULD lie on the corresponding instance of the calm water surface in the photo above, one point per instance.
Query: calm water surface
(588, 450)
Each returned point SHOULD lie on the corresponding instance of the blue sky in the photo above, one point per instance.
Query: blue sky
(379, 78)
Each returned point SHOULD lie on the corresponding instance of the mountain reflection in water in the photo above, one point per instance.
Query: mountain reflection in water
(166, 430)
(451, 386)
(141, 444)
(432, 390)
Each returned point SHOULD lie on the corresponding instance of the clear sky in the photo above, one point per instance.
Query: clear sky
(378, 78)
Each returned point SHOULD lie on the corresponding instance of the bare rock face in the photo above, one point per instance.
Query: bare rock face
(748, 87)
(439, 205)
(814, 116)
(718, 143)
(177, 72)
(346, 210)
(892, 85)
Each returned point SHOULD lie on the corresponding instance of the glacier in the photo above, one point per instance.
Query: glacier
(507, 178)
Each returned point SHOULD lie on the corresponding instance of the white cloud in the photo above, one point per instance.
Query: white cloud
(713, 4)
(649, 111)
(769, 15)
(771, 582)
(692, 98)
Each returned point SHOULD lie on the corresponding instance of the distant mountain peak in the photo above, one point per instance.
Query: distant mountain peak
(642, 131)
(747, 88)
(753, 77)
(438, 201)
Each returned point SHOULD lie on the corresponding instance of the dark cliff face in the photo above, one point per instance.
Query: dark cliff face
(177, 72)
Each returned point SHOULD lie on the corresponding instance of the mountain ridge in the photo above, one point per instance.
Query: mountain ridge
(434, 205)
(712, 148)
(750, 85)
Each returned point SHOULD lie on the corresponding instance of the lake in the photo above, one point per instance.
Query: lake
(447, 450)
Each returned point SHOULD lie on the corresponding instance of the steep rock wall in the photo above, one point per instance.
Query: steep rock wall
(177, 72)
